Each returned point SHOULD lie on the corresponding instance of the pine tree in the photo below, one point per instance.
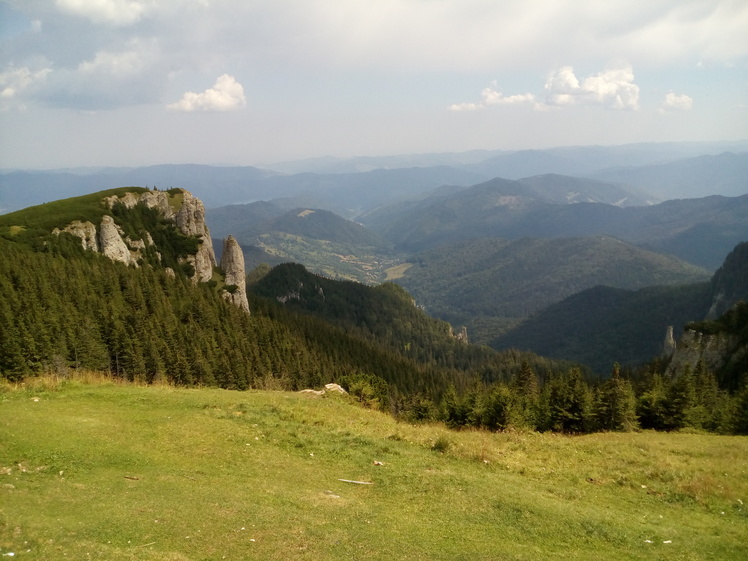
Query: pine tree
(616, 404)
(566, 403)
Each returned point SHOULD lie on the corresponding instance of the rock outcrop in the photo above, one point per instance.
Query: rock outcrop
(111, 243)
(188, 214)
(86, 231)
(668, 346)
(190, 219)
(693, 347)
(232, 265)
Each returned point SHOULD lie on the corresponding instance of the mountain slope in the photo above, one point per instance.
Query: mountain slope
(388, 315)
(145, 314)
(603, 324)
(469, 282)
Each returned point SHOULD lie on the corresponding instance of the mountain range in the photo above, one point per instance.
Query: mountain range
(485, 239)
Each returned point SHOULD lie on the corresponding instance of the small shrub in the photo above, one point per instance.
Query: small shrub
(441, 444)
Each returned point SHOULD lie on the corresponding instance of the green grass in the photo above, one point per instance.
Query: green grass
(109, 471)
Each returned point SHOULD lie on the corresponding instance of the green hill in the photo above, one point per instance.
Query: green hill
(489, 283)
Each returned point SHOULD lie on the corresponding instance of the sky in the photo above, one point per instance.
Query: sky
(245, 82)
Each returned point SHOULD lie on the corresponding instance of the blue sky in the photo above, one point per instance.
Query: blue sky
(138, 82)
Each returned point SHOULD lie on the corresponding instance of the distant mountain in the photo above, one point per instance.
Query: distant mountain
(329, 164)
(318, 225)
(346, 194)
(604, 324)
(514, 164)
(487, 283)
(354, 186)
(230, 219)
(726, 174)
(589, 160)
(563, 189)
(701, 231)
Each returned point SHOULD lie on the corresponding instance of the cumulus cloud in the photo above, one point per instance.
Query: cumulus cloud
(115, 12)
(613, 88)
(114, 63)
(492, 96)
(15, 80)
(226, 95)
(676, 102)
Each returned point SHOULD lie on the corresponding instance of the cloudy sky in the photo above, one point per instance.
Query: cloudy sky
(138, 82)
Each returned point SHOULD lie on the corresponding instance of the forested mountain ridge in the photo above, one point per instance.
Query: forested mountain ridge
(489, 283)
(63, 306)
(601, 324)
(136, 227)
(144, 315)
(388, 315)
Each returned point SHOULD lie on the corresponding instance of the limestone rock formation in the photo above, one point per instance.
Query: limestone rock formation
(190, 219)
(694, 347)
(111, 243)
(461, 335)
(160, 201)
(232, 265)
(86, 231)
(668, 347)
(188, 214)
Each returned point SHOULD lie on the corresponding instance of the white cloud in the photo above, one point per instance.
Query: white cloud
(226, 95)
(115, 12)
(114, 64)
(677, 102)
(492, 96)
(613, 88)
(15, 80)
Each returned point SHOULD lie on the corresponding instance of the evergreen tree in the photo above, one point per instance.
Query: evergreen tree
(652, 405)
(526, 393)
(566, 403)
(616, 404)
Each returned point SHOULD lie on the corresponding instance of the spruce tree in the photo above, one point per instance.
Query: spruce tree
(616, 404)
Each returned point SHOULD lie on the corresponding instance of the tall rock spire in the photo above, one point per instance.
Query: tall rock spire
(190, 218)
(232, 265)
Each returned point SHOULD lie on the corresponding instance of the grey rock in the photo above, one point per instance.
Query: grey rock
(232, 265)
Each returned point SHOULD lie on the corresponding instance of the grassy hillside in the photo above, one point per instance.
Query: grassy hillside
(123, 472)
(481, 283)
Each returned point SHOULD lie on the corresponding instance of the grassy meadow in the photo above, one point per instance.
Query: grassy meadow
(93, 469)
